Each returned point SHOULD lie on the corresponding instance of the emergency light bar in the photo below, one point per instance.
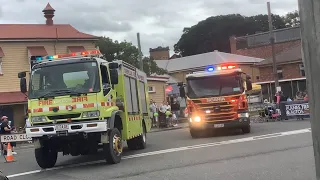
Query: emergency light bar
(221, 67)
(77, 54)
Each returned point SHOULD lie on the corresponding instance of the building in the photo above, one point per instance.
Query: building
(290, 68)
(157, 87)
(178, 68)
(21, 44)
(160, 53)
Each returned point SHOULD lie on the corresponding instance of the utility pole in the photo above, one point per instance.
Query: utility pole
(309, 11)
(140, 52)
(274, 61)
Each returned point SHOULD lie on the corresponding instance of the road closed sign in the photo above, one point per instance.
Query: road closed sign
(14, 138)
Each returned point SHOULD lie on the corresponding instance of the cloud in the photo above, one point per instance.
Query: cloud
(160, 23)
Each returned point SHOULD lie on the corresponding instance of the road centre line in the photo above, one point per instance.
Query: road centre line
(233, 141)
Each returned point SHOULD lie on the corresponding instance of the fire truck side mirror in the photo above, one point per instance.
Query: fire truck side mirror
(23, 85)
(23, 82)
(113, 65)
(182, 91)
(22, 75)
(249, 84)
(114, 76)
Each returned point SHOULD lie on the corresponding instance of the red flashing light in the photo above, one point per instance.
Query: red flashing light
(84, 53)
(225, 67)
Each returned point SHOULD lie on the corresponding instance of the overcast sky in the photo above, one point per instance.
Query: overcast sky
(160, 22)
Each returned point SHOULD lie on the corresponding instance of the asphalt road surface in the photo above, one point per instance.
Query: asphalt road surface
(275, 150)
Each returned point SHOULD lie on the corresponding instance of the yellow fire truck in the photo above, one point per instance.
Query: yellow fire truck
(216, 99)
(79, 102)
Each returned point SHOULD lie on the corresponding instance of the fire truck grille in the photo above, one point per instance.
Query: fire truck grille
(218, 111)
(64, 116)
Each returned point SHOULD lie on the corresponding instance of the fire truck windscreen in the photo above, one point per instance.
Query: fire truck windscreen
(222, 85)
(63, 79)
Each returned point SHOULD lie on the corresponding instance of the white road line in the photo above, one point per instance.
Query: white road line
(233, 141)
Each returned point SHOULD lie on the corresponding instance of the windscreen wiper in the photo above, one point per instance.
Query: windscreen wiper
(51, 94)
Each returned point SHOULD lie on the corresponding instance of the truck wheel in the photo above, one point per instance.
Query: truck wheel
(139, 142)
(195, 133)
(46, 158)
(246, 130)
(113, 149)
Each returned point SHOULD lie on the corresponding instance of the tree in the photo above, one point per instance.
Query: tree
(292, 19)
(214, 32)
(127, 52)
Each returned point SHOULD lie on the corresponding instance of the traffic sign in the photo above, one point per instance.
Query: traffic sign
(14, 138)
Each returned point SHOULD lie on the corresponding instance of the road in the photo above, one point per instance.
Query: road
(277, 150)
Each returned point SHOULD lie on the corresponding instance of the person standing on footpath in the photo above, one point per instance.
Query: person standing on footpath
(175, 107)
(5, 128)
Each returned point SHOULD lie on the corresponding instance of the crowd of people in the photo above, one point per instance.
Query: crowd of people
(172, 110)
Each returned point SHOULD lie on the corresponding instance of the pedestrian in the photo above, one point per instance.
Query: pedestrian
(153, 110)
(6, 128)
(175, 107)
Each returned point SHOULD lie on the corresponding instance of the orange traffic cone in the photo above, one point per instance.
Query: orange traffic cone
(9, 157)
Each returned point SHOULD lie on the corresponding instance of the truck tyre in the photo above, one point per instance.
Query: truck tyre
(113, 149)
(46, 158)
(139, 142)
(195, 133)
(246, 129)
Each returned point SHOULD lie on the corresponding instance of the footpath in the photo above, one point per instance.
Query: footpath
(183, 124)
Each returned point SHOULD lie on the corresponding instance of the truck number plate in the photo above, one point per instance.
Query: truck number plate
(219, 125)
(62, 127)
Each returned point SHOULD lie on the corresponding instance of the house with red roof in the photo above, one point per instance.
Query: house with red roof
(290, 68)
(21, 44)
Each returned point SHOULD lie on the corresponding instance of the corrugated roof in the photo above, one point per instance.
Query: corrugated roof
(289, 55)
(41, 31)
(200, 60)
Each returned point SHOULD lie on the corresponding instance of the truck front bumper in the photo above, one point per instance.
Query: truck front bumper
(237, 123)
(70, 128)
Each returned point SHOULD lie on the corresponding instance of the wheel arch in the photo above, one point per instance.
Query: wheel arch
(115, 120)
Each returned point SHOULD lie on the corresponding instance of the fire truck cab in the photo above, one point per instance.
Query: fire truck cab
(216, 99)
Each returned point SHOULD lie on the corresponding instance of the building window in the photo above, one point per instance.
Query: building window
(279, 72)
(151, 89)
(302, 72)
(1, 72)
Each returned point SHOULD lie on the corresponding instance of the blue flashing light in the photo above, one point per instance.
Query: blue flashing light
(50, 57)
(39, 58)
(210, 69)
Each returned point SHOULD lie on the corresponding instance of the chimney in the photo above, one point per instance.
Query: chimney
(233, 44)
(49, 14)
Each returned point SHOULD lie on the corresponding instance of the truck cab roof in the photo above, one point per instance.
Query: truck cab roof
(213, 73)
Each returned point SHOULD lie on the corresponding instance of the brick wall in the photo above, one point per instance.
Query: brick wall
(261, 51)
(289, 71)
(160, 55)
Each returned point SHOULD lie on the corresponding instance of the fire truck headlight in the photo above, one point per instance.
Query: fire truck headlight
(91, 114)
(38, 119)
(197, 119)
(243, 115)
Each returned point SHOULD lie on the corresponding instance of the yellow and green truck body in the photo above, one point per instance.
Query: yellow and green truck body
(65, 115)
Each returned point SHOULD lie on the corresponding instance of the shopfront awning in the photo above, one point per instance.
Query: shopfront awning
(74, 49)
(37, 51)
(282, 80)
(7, 98)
